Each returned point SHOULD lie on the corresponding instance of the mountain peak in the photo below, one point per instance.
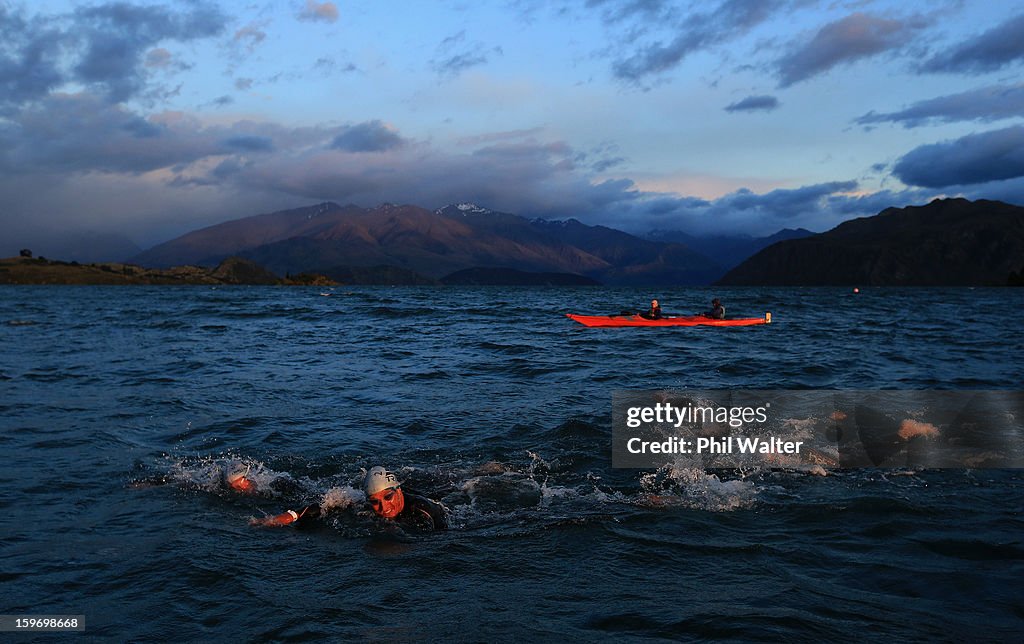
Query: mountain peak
(322, 208)
(464, 207)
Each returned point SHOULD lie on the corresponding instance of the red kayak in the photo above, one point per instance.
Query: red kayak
(691, 320)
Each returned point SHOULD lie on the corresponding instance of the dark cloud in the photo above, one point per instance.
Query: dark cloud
(490, 137)
(816, 207)
(108, 47)
(31, 52)
(115, 164)
(614, 11)
(730, 20)
(973, 159)
(983, 104)
(455, 55)
(319, 12)
(159, 58)
(784, 203)
(249, 143)
(986, 52)
(607, 163)
(371, 136)
(754, 103)
(81, 133)
(852, 38)
(455, 65)
(116, 35)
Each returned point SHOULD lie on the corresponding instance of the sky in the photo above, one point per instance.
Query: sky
(151, 119)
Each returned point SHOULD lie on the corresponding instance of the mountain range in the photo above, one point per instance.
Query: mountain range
(949, 242)
(727, 250)
(334, 240)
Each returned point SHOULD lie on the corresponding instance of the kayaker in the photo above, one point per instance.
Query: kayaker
(654, 313)
(717, 311)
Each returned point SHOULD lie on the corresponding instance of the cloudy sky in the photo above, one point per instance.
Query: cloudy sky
(152, 119)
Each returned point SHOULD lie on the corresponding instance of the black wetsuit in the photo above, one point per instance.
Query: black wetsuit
(718, 312)
(653, 314)
(421, 513)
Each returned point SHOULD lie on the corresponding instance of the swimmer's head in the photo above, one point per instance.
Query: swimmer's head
(239, 481)
(383, 492)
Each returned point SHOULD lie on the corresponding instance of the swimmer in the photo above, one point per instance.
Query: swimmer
(387, 500)
(240, 481)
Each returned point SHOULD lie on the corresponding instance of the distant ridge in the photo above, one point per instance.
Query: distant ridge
(949, 242)
(727, 250)
(433, 244)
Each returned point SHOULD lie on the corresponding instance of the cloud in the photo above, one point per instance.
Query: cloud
(82, 134)
(328, 66)
(319, 12)
(984, 104)
(730, 20)
(107, 47)
(92, 162)
(116, 35)
(816, 207)
(454, 55)
(849, 39)
(973, 159)
(371, 136)
(249, 143)
(754, 103)
(250, 37)
(784, 203)
(30, 57)
(986, 52)
(159, 57)
(620, 10)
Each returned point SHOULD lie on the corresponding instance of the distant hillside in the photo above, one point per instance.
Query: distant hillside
(232, 271)
(512, 277)
(377, 276)
(727, 250)
(434, 244)
(951, 242)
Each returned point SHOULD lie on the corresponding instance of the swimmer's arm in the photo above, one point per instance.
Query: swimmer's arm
(287, 517)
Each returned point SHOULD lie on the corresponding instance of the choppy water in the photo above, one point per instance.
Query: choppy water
(120, 408)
